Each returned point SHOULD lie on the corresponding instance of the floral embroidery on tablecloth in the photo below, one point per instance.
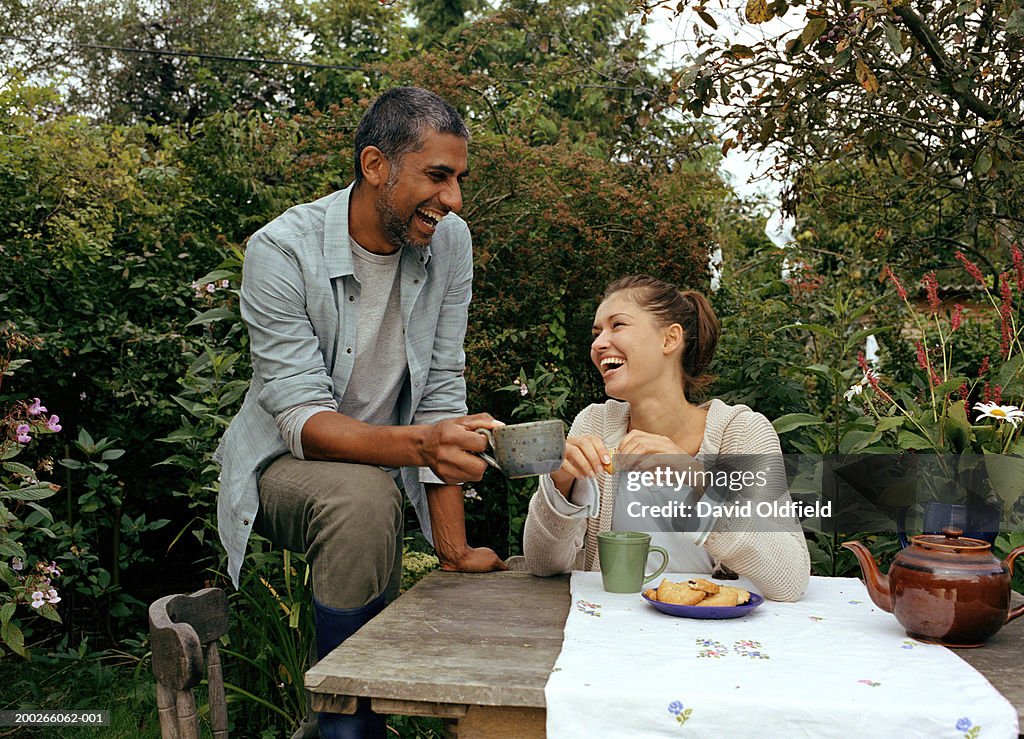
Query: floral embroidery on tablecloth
(749, 648)
(816, 618)
(908, 644)
(870, 683)
(677, 709)
(712, 649)
(854, 602)
(590, 609)
(970, 731)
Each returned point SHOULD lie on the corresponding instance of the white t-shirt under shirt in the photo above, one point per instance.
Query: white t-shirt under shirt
(380, 365)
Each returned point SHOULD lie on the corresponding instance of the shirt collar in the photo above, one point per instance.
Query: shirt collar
(337, 253)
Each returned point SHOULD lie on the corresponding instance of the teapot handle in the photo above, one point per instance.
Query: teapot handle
(1019, 610)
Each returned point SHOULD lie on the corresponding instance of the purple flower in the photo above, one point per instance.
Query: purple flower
(36, 408)
(963, 724)
(21, 434)
(523, 390)
(54, 423)
(675, 708)
(37, 599)
(17, 564)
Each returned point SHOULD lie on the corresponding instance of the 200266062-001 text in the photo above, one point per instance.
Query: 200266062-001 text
(77, 717)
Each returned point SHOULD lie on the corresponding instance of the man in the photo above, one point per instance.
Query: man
(356, 306)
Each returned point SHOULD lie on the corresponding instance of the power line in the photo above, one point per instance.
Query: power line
(169, 52)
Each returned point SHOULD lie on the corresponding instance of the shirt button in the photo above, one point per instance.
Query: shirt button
(351, 298)
(415, 282)
(245, 521)
(349, 350)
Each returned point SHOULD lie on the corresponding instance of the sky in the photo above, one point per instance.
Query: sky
(744, 170)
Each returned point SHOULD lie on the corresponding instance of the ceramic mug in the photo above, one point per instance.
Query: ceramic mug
(526, 449)
(623, 556)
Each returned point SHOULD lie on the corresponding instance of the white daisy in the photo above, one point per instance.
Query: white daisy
(1010, 413)
(856, 389)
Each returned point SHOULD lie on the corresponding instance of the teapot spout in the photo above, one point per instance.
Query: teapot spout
(877, 583)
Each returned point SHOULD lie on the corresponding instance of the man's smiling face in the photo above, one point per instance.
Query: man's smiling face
(422, 188)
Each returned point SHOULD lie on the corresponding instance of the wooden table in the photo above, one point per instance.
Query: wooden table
(477, 650)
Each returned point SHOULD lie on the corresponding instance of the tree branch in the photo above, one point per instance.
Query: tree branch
(947, 71)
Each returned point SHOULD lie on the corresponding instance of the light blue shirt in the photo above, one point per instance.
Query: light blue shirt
(299, 300)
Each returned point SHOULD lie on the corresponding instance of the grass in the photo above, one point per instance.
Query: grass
(125, 687)
(82, 682)
(273, 623)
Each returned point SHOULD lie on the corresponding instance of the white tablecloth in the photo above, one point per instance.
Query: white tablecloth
(832, 664)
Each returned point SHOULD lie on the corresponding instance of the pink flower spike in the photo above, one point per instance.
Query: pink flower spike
(931, 289)
(958, 317)
(971, 267)
(36, 408)
(922, 357)
(895, 281)
(21, 434)
(54, 423)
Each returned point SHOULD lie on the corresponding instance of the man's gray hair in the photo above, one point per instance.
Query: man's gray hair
(396, 123)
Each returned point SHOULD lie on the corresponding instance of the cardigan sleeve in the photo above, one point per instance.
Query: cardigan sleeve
(772, 552)
(552, 540)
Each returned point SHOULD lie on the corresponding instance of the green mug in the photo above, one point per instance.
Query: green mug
(623, 557)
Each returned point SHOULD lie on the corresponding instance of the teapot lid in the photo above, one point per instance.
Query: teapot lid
(951, 540)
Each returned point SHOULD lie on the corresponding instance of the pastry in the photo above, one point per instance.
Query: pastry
(704, 585)
(679, 593)
(723, 598)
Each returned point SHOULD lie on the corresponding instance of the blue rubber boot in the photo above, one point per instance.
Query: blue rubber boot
(333, 626)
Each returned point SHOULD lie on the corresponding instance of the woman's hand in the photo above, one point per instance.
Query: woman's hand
(640, 450)
(641, 444)
(585, 456)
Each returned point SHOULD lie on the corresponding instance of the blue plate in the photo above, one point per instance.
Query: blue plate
(708, 611)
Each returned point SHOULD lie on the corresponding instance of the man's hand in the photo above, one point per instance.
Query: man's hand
(449, 444)
(475, 559)
(448, 524)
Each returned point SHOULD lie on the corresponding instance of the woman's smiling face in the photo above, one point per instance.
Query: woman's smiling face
(628, 345)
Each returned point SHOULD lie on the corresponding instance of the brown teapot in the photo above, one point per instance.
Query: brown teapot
(944, 589)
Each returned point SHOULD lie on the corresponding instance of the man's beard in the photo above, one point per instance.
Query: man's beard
(397, 231)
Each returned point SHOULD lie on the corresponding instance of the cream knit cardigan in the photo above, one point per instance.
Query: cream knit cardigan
(776, 561)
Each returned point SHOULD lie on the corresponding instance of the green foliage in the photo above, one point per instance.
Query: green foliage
(86, 680)
(904, 117)
(829, 559)
(26, 581)
(267, 648)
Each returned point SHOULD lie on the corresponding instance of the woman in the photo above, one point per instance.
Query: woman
(652, 345)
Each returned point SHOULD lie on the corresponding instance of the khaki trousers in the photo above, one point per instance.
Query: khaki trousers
(347, 520)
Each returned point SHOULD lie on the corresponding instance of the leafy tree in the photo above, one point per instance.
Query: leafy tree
(915, 108)
(181, 60)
